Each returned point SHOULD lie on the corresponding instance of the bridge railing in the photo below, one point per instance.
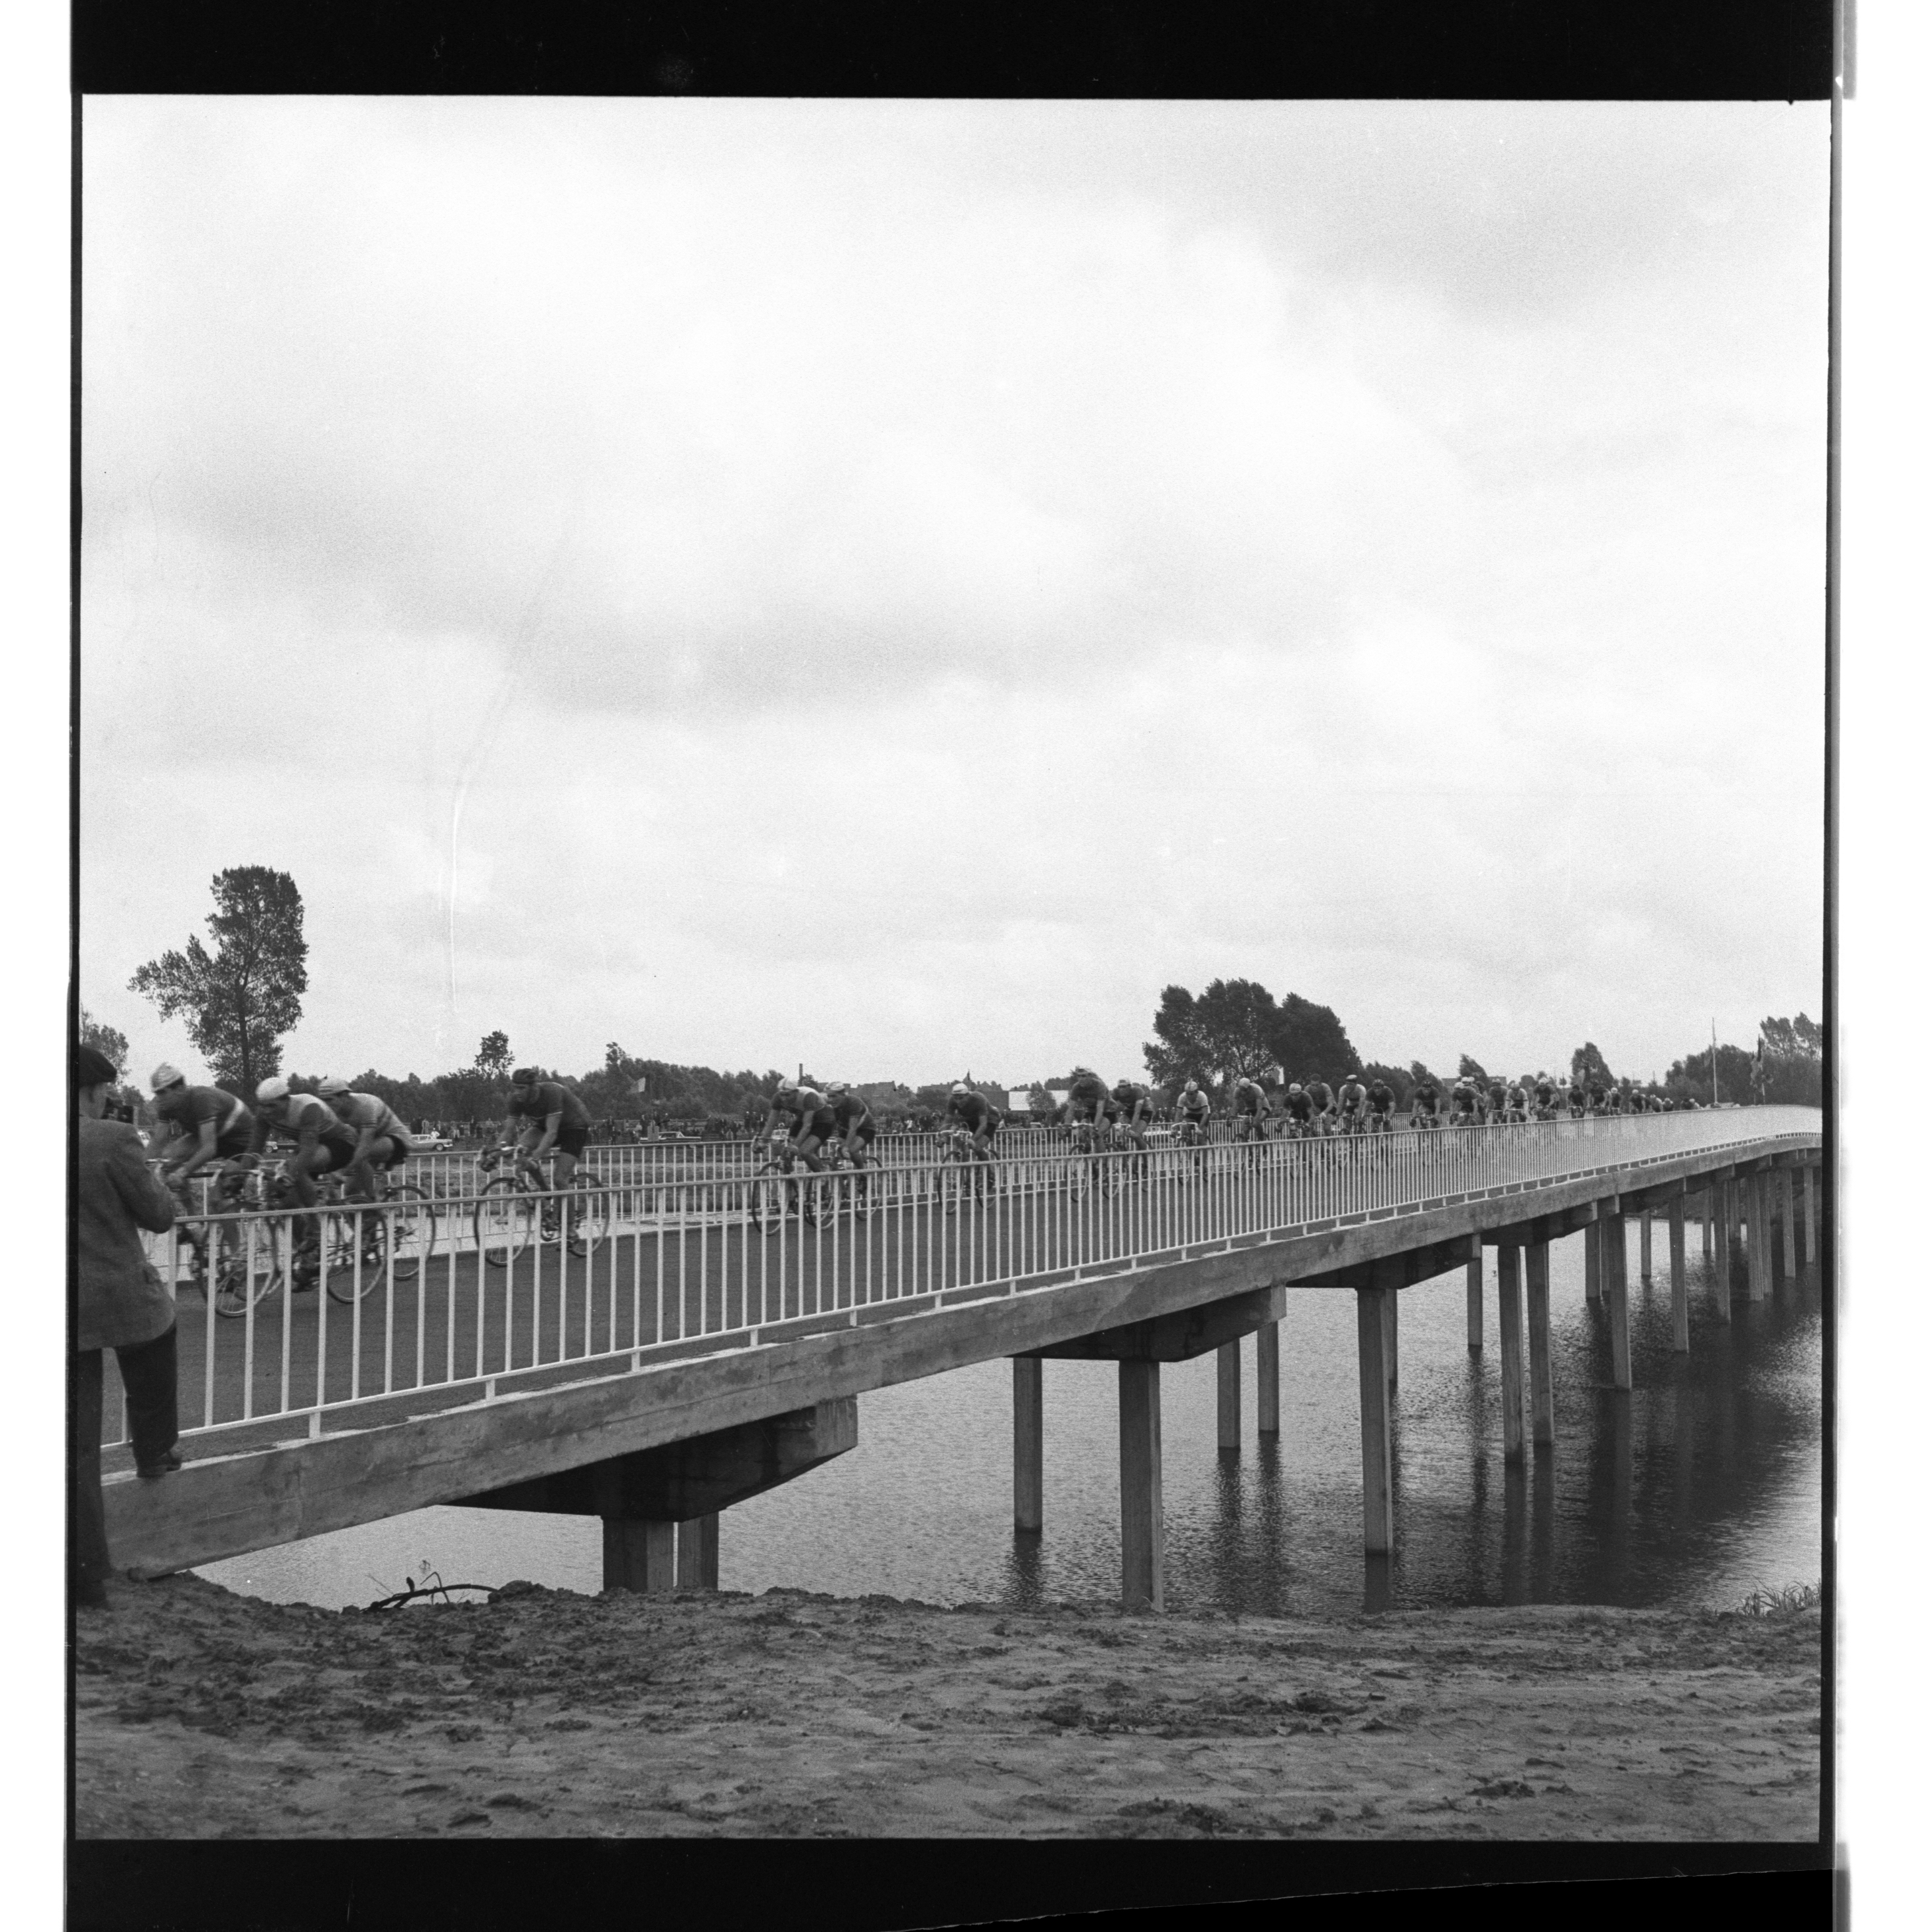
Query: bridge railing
(306, 1316)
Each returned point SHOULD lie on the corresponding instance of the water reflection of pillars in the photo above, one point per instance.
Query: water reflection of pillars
(1611, 1228)
(1026, 1442)
(1514, 1416)
(1677, 1272)
(1719, 1189)
(1474, 1295)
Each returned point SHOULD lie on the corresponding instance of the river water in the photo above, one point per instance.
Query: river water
(1701, 1486)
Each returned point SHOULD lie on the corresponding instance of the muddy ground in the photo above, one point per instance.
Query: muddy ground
(200, 1713)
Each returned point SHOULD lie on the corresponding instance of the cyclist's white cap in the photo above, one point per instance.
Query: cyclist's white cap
(835, 1087)
(164, 1076)
(275, 1089)
(960, 1087)
(333, 1083)
(787, 1087)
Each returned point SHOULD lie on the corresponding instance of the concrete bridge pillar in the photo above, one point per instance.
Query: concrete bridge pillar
(1142, 1585)
(1797, 1234)
(1390, 1314)
(1614, 1243)
(697, 1564)
(1590, 1242)
(1677, 1274)
(1721, 1189)
(1646, 1248)
(1540, 1345)
(1026, 1442)
(1376, 1457)
(1267, 1377)
(1474, 1297)
(1227, 1396)
(636, 1553)
(1513, 1419)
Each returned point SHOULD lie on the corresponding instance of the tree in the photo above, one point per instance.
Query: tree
(1587, 1066)
(105, 1039)
(1039, 1105)
(243, 999)
(1724, 1071)
(1225, 1034)
(1788, 1060)
(1310, 1042)
(1470, 1069)
(1418, 1070)
(495, 1057)
(1398, 1078)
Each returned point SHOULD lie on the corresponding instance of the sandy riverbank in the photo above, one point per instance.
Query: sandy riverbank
(203, 1713)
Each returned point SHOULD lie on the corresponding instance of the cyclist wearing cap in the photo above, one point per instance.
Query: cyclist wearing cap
(381, 1142)
(1352, 1102)
(557, 1121)
(1496, 1098)
(1427, 1101)
(974, 1112)
(322, 1143)
(1133, 1105)
(1088, 1099)
(1192, 1107)
(1380, 1105)
(1322, 1095)
(1467, 1107)
(854, 1122)
(1299, 1112)
(1250, 1099)
(813, 1120)
(197, 1124)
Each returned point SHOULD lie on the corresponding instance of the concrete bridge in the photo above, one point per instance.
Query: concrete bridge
(705, 1348)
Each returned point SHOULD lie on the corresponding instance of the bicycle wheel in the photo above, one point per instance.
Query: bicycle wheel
(589, 1217)
(504, 1221)
(1079, 1173)
(763, 1198)
(247, 1262)
(412, 1228)
(355, 1246)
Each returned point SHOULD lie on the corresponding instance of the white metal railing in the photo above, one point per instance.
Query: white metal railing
(302, 1314)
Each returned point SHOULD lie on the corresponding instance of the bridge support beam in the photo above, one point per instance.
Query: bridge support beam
(1591, 1254)
(1026, 1442)
(1810, 1249)
(1513, 1400)
(1227, 1396)
(1719, 1192)
(1540, 1345)
(1474, 1320)
(1390, 1313)
(1377, 1447)
(1142, 1585)
(698, 1558)
(636, 1553)
(1646, 1247)
(1613, 1226)
(1267, 1377)
(1797, 1236)
(1677, 1274)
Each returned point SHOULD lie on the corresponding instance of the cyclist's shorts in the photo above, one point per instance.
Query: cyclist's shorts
(867, 1131)
(235, 1142)
(339, 1148)
(1249, 1110)
(571, 1140)
(399, 1148)
(987, 1130)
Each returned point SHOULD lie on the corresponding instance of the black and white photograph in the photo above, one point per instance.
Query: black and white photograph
(952, 969)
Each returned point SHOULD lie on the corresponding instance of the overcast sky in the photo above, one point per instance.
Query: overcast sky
(892, 586)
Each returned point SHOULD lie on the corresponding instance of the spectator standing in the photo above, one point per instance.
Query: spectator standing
(119, 1302)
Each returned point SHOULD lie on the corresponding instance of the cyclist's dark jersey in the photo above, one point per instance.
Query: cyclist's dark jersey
(549, 1097)
(1497, 1092)
(1382, 1096)
(1322, 1095)
(1464, 1099)
(1250, 1097)
(1426, 1099)
(1087, 1093)
(187, 1110)
(973, 1110)
(849, 1108)
(1299, 1106)
(806, 1101)
(1127, 1096)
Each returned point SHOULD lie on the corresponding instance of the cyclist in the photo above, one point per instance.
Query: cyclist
(1427, 1101)
(813, 1120)
(1496, 1098)
(854, 1123)
(1250, 1099)
(1380, 1105)
(557, 1121)
(1465, 1109)
(322, 1144)
(1089, 1100)
(1134, 1107)
(196, 1124)
(381, 1143)
(1322, 1095)
(1192, 1109)
(977, 1114)
(1351, 1102)
(1299, 1110)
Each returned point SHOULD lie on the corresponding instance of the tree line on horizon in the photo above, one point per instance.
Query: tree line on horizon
(240, 1000)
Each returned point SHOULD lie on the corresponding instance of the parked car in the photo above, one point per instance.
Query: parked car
(430, 1143)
